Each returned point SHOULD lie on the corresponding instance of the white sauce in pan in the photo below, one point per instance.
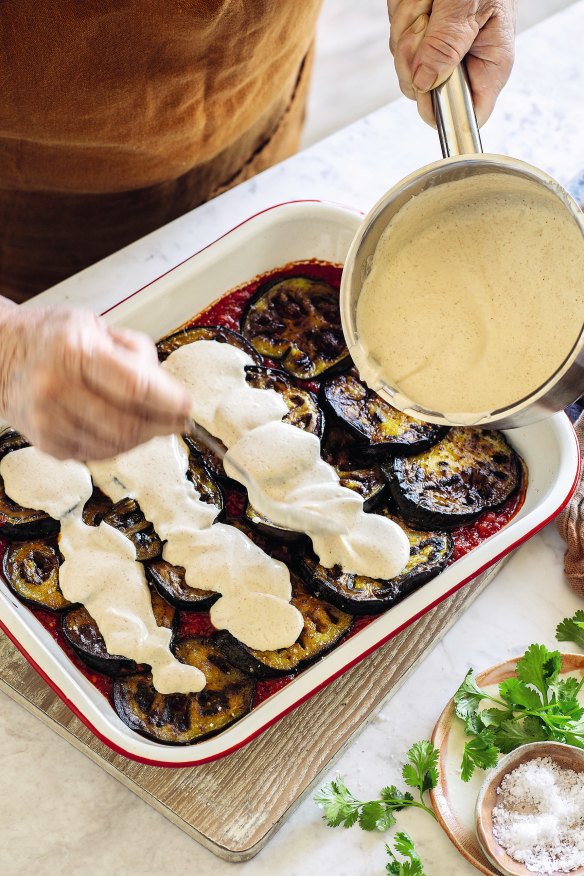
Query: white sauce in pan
(286, 479)
(475, 297)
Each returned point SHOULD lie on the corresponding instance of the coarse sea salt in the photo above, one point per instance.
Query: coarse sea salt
(539, 816)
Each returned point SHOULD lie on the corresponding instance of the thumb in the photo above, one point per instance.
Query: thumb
(450, 34)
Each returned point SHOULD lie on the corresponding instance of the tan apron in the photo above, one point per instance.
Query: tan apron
(120, 116)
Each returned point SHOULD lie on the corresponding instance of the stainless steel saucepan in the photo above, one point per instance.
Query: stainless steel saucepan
(463, 158)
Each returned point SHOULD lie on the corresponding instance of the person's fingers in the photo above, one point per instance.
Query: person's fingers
(450, 33)
(407, 31)
(490, 62)
(134, 341)
(426, 107)
(137, 383)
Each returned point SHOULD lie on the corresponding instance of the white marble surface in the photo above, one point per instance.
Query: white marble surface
(61, 813)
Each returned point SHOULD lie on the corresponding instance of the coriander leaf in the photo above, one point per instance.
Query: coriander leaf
(492, 718)
(422, 770)
(571, 629)
(516, 692)
(468, 697)
(478, 752)
(392, 795)
(539, 668)
(338, 804)
(412, 866)
(513, 733)
(574, 735)
(372, 814)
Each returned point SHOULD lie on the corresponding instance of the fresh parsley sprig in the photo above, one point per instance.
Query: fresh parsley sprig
(535, 705)
(405, 847)
(571, 629)
(341, 807)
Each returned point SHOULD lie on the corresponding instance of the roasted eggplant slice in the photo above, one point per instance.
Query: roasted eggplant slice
(357, 594)
(304, 411)
(83, 634)
(181, 719)
(168, 345)
(297, 320)
(470, 471)
(266, 527)
(170, 582)
(15, 521)
(31, 570)
(324, 626)
(381, 429)
(365, 478)
(96, 507)
(201, 477)
(126, 516)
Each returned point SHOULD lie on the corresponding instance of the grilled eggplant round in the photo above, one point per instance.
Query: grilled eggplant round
(297, 320)
(304, 411)
(96, 507)
(365, 478)
(170, 582)
(84, 636)
(182, 719)
(357, 594)
(324, 627)
(381, 429)
(127, 517)
(31, 570)
(267, 527)
(219, 333)
(17, 522)
(469, 472)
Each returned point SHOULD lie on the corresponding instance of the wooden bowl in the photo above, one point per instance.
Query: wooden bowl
(565, 756)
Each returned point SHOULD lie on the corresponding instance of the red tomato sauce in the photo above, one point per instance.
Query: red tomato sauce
(228, 311)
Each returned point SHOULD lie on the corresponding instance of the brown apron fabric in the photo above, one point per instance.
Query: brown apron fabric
(571, 526)
(118, 117)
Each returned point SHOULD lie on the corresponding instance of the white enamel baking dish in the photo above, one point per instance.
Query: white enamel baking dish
(286, 233)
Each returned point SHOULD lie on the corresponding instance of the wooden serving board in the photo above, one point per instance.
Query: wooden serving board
(318, 731)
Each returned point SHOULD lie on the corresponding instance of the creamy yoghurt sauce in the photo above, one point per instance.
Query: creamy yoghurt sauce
(475, 297)
(286, 479)
(255, 589)
(100, 568)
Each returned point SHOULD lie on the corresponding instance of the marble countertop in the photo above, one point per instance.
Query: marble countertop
(58, 811)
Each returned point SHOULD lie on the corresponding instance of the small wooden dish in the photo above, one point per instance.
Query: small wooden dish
(565, 756)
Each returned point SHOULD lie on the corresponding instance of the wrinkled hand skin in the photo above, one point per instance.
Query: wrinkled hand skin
(429, 39)
(79, 390)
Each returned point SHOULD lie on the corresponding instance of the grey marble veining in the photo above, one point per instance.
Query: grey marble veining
(59, 813)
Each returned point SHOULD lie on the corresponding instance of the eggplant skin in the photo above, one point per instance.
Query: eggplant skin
(128, 518)
(380, 429)
(219, 333)
(170, 582)
(17, 522)
(430, 553)
(467, 473)
(362, 476)
(297, 320)
(84, 636)
(324, 627)
(183, 719)
(31, 570)
(303, 408)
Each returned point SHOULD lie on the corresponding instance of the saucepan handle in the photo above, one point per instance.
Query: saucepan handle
(455, 116)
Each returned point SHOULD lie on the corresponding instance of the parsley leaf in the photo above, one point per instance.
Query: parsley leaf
(539, 668)
(422, 770)
(516, 693)
(571, 629)
(405, 847)
(478, 752)
(340, 807)
(468, 697)
(375, 816)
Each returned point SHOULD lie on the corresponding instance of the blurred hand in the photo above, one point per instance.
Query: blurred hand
(428, 39)
(80, 390)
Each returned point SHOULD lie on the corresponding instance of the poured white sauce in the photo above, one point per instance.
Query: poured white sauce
(474, 298)
(286, 478)
(255, 589)
(100, 568)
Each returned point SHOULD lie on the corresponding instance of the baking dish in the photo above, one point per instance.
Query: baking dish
(286, 233)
